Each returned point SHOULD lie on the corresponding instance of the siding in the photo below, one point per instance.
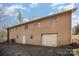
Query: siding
(62, 27)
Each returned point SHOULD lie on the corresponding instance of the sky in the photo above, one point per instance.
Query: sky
(31, 11)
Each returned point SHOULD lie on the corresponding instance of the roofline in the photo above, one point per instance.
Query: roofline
(70, 10)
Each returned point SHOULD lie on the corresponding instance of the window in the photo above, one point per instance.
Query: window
(26, 26)
(53, 20)
(37, 24)
(31, 37)
(17, 36)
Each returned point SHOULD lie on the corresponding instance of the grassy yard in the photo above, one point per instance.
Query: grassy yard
(13, 49)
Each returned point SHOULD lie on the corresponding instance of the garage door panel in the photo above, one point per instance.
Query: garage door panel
(49, 40)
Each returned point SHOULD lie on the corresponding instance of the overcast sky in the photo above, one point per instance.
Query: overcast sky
(37, 10)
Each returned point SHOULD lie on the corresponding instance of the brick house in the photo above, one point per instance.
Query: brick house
(53, 30)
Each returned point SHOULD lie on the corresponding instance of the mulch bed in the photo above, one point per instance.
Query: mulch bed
(13, 49)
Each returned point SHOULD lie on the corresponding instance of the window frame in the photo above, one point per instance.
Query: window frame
(31, 36)
(26, 26)
(54, 20)
(37, 24)
(17, 36)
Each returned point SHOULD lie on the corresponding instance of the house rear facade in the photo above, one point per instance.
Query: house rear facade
(53, 30)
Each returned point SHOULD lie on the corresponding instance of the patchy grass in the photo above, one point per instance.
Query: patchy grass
(9, 49)
(76, 52)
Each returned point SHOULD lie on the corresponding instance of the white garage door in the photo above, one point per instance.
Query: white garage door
(49, 40)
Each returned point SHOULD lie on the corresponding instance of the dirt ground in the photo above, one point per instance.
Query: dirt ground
(75, 38)
(13, 49)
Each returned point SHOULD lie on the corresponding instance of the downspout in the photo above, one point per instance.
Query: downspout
(7, 35)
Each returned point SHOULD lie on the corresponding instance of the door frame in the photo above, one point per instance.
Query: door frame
(23, 39)
(47, 34)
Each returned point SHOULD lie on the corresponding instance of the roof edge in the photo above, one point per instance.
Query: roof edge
(70, 10)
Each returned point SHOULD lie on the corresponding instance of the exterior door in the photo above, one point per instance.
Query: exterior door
(24, 39)
(49, 40)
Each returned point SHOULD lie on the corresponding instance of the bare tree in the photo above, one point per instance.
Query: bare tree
(5, 22)
(77, 29)
(19, 17)
(2, 24)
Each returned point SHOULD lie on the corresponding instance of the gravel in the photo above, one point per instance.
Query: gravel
(13, 49)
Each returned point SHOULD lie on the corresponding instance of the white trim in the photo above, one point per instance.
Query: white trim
(49, 40)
